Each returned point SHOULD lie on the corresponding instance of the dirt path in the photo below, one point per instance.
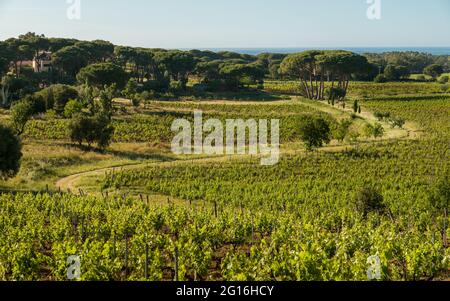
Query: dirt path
(69, 183)
(409, 131)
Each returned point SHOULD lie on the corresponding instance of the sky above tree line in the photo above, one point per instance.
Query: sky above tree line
(234, 23)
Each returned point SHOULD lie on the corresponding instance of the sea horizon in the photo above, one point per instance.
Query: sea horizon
(359, 50)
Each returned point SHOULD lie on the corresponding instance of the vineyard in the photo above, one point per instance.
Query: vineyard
(233, 219)
(367, 90)
(154, 122)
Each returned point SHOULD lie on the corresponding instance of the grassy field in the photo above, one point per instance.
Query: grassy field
(229, 217)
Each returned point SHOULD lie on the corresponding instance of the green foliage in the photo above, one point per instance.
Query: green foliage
(314, 67)
(434, 70)
(440, 197)
(235, 75)
(382, 115)
(10, 153)
(369, 200)
(380, 78)
(414, 62)
(13, 89)
(21, 112)
(421, 78)
(375, 131)
(55, 97)
(72, 107)
(314, 131)
(103, 74)
(342, 129)
(394, 72)
(131, 89)
(397, 122)
(300, 225)
(356, 106)
(176, 86)
(91, 129)
(336, 94)
(70, 60)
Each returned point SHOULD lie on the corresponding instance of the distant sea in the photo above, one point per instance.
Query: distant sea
(360, 50)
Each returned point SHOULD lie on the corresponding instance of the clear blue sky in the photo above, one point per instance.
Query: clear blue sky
(234, 23)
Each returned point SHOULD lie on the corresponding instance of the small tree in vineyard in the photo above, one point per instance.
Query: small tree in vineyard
(314, 132)
(10, 153)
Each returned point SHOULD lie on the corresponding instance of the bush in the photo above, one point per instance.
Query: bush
(56, 97)
(356, 106)
(159, 86)
(396, 72)
(50, 114)
(136, 101)
(353, 136)
(215, 85)
(37, 103)
(434, 70)
(342, 130)
(397, 122)
(91, 129)
(72, 107)
(369, 200)
(21, 112)
(10, 153)
(131, 89)
(176, 86)
(146, 95)
(375, 131)
(315, 131)
(382, 115)
(380, 78)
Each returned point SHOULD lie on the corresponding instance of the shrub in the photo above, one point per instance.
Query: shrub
(369, 200)
(72, 107)
(136, 101)
(146, 95)
(380, 78)
(56, 97)
(10, 153)
(156, 86)
(382, 115)
(375, 131)
(356, 106)
(131, 89)
(21, 112)
(353, 136)
(434, 70)
(176, 86)
(397, 122)
(342, 129)
(91, 129)
(50, 114)
(315, 131)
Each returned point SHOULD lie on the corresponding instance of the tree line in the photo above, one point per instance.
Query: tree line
(156, 71)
